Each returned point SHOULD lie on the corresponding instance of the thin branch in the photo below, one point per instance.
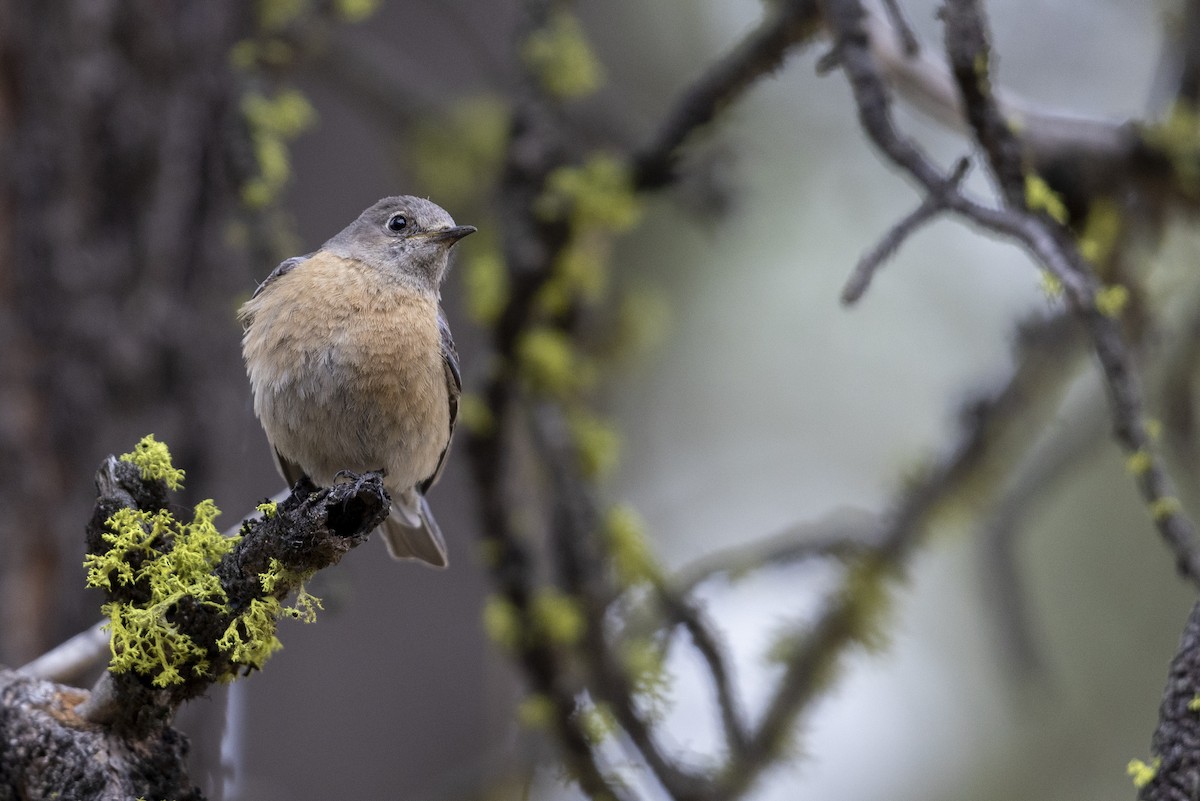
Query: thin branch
(1050, 244)
(933, 205)
(712, 650)
(908, 39)
(925, 82)
(582, 567)
(841, 536)
(1044, 466)
(761, 52)
(72, 659)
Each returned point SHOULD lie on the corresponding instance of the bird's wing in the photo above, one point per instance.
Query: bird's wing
(285, 267)
(290, 471)
(453, 391)
(246, 313)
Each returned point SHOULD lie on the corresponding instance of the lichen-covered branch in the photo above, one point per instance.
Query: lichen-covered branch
(1173, 773)
(186, 607)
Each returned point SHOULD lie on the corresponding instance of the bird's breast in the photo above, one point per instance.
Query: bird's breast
(347, 374)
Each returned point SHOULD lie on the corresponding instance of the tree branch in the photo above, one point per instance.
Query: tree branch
(761, 52)
(1051, 244)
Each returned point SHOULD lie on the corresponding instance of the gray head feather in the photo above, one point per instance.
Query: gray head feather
(405, 236)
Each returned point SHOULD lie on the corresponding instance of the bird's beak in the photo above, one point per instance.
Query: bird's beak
(451, 235)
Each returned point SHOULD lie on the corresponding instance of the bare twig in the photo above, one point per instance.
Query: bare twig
(762, 51)
(842, 535)
(1048, 242)
(582, 567)
(933, 205)
(712, 650)
(1044, 466)
(908, 38)
(72, 659)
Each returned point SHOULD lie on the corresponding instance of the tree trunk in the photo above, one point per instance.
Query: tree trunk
(124, 149)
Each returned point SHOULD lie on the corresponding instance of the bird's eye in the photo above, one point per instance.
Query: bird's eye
(397, 223)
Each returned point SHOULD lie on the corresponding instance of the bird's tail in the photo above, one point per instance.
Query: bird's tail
(410, 536)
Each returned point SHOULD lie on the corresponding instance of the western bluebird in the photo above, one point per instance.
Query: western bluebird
(352, 364)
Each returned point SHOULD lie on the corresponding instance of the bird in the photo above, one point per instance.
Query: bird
(352, 365)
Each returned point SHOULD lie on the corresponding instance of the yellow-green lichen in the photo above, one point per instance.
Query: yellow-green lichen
(250, 637)
(273, 121)
(557, 617)
(1153, 428)
(474, 415)
(356, 10)
(153, 460)
(502, 622)
(597, 722)
(625, 535)
(171, 563)
(1194, 704)
(274, 15)
(536, 712)
(598, 193)
(1051, 286)
(1112, 300)
(1139, 462)
(458, 156)
(597, 445)
(1101, 231)
(561, 58)
(866, 594)
(1164, 507)
(645, 664)
(485, 281)
(306, 604)
(1040, 197)
(1178, 138)
(267, 509)
(1142, 773)
(549, 362)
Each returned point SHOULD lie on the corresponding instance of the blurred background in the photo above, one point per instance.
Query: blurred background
(759, 402)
